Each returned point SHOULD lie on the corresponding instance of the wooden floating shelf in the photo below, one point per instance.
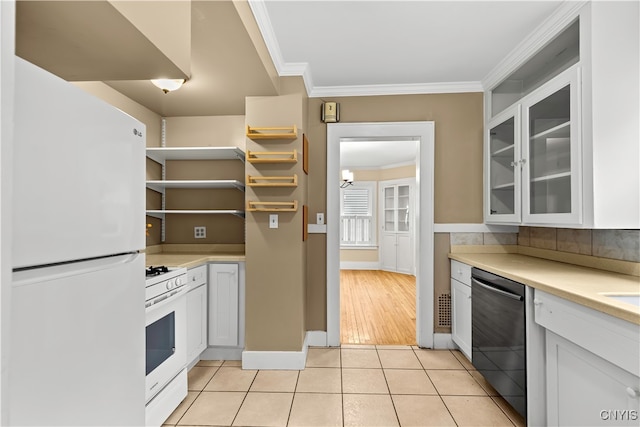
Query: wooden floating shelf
(272, 181)
(290, 132)
(272, 156)
(291, 206)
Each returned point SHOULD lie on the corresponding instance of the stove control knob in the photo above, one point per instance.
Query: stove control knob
(178, 281)
(169, 284)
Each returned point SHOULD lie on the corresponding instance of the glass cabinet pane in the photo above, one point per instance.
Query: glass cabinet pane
(389, 209)
(550, 154)
(403, 208)
(502, 168)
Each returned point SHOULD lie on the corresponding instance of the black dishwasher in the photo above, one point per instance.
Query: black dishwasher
(498, 335)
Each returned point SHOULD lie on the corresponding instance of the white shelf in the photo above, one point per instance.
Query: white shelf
(561, 131)
(552, 177)
(503, 152)
(508, 186)
(160, 213)
(160, 154)
(160, 185)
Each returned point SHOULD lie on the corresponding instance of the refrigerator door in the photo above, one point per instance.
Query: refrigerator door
(79, 180)
(77, 344)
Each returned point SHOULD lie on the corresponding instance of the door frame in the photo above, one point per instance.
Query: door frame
(424, 132)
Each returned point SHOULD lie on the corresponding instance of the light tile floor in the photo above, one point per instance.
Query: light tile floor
(348, 386)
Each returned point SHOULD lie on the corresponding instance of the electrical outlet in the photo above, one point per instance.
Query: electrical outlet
(199, 232)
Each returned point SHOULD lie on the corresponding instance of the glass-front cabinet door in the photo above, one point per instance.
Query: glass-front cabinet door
(397, 210)
(551, 153)
(503, 165)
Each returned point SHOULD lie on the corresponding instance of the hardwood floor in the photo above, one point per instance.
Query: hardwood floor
(377, 307)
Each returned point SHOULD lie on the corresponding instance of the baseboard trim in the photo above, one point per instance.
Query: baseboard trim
(355, 265)
(276, 360)
(212, 353)
(443, 341)
(317, 338)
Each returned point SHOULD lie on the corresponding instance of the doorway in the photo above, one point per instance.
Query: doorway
(423, 134)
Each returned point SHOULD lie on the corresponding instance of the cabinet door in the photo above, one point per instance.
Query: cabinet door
(388, 252)
(503, 165)
(223, 305)
(196, 322)
(551, 150)
(461, 316)
(403, 208)
(586, 390)
(389, 205)
(404, 253)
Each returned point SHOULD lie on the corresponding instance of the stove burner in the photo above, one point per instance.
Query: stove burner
(156, 271)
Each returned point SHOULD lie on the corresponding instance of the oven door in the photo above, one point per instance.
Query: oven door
(166, 337)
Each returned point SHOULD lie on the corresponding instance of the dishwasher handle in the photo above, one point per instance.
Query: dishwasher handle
(488, 287)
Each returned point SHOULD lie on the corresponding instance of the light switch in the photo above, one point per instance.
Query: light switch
(320, 218)
(273, 221)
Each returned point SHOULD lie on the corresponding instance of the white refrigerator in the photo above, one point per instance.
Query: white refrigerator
(77, 340)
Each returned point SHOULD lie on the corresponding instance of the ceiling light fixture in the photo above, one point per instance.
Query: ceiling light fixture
(168, 85)
(347, 178)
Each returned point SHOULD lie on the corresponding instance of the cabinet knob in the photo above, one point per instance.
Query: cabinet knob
(537, 302)
(632, 392)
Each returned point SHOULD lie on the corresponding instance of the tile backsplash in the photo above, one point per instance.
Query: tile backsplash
(615, 244)
(466, 239)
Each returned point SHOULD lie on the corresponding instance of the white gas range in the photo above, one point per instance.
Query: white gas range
(166, 341)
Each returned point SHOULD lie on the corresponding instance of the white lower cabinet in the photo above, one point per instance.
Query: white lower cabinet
(461, 306)
(196, 322)
(196, 312)
(586, 390)
(224, 314)
(592, 365)
(397, 253)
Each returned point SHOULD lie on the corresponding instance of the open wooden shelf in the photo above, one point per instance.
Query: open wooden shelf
(256, 133)
(291, 206)
(272, 181)
(272, 156)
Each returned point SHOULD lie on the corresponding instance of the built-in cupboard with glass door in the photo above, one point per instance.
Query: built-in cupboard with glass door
(396, 252)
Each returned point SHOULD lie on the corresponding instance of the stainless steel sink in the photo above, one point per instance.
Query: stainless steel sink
(626, 298)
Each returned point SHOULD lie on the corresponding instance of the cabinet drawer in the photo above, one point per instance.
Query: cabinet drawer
(197, 276)
(612, 339)
(461, 272)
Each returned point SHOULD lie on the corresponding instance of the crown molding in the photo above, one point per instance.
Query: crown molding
(396, 89)
(259, 10)
(561, 18)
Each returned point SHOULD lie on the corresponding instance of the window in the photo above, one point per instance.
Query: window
(357, 218)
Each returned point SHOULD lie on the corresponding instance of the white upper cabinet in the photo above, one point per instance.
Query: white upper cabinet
(551, 170)
(502, 163)
(567, 97)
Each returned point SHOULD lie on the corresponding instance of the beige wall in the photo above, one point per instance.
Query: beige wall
(458, 165)
(276, 261)
(214, 131)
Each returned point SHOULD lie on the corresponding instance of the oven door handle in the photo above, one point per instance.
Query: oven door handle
(496, 290)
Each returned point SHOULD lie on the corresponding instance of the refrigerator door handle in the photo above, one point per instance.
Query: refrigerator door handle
(54, 272)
